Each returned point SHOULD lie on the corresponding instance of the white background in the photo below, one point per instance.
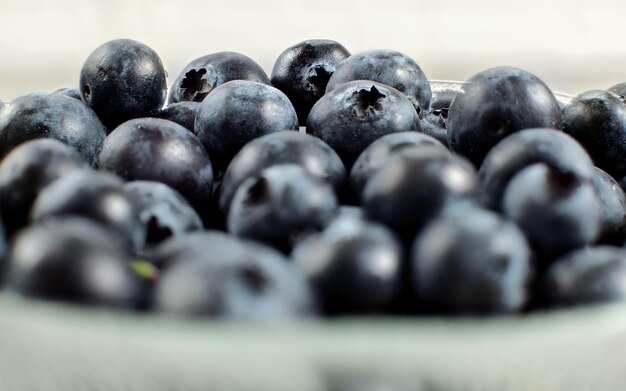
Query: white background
(573, 45)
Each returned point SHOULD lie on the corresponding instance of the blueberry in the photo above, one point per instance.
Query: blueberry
(353, 266)
(377, 154)
(435, 127)
(355, 114)
(26, 170)
(524, 148)
(346, 211)
(472, 260)
(70, 92)
(99, 197)
(435, 122)
(217, 275)
(286, 147)
(159, 150)
(619, 90)
(39, 115)
(163, 211)
(415, 185)
(72, 260)
(387, 67)
(597, 119)
(557, 210)
(496, 103)
(280, 204)
(204, 74)
(121, 80)
(585, 276)
(613, 205)
(238, 112)
(183, 113)
(302, 72)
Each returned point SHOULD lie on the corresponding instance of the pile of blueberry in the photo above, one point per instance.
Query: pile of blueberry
(341, 184)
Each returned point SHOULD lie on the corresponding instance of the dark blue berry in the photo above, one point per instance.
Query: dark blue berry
(204, 74)
(496, 103)
(26, 170)
(163, 211)
(585, 276)
(56, 116)
(387, 67)
(353, 266)
(377, 154)
(557, 210)
(159, 150)
(280, 204)
(238, 112)
(472, 260)
(524, 148)
(286, 147)
(183, 113)
(95, 196)
(355, 114)
(121, 80)
(613, 204)
(213, 274)
(302, 72)
(597, 119)
(415, 185)
(72, 260)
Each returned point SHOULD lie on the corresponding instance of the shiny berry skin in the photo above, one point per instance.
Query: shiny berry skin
(355, 114)
(415, 185)
(159, 150)
(26, 170)
(72, 260)
(286, 147)
(353, 266)
(597, 119)
(213, 274)
(557, 210)
(619, 90)
(471, 260)
(163, 211)
(589, 275)
(519, 150)
(435, 122)
(39, 115)
(96, 196)
(387, 67)
(613, 205)
(377, 153)
(238, 112)
(346, 211)
(496, 103)
(280, 204)
(302, 72)
(121, 80)
(204, 74)
(183, 113)
(70, 92)
(435, 127)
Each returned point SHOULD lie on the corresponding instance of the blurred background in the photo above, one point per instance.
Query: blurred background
(573, 45)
